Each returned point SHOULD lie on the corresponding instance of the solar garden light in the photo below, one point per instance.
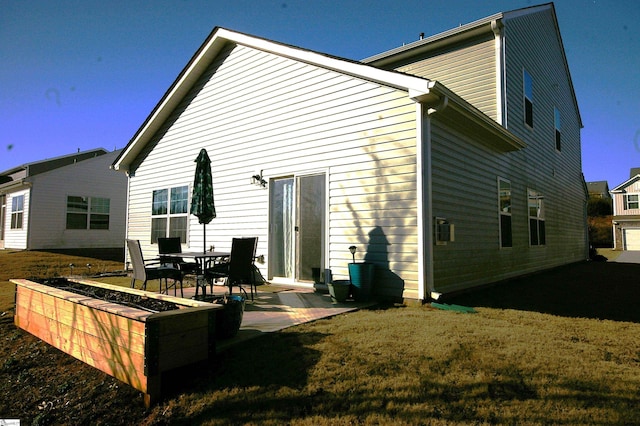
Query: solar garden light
(352, 249)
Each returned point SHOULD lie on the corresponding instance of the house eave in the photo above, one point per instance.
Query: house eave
(14, 186)
(461, 33)
(484, 129)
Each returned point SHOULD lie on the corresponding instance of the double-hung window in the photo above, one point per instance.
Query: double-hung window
(169, 213)
(17, 212)
(556, 120)
(631, 201)
(527, 87)
(504, 207)
(537, 235)
(87, 212)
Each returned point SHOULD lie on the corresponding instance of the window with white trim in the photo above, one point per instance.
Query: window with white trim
(17, 212)
(537, 234)
(631, 201)
(504, 209)
(556, 120)
(527, 88)
(87, 212)
(169, 213)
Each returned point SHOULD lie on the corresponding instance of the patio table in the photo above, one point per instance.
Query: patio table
(204, 259)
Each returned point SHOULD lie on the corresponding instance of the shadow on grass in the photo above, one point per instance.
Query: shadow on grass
(599, 290)
(253, 366)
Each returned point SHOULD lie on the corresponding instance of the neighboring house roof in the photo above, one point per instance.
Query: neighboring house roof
(472, 29)
(621, 188)
(600, 187)
(15, 176)
(419, 89)
(634, 175)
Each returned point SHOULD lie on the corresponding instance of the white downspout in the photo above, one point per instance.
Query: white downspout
(423, 190)
(426, 285)
(501, 111)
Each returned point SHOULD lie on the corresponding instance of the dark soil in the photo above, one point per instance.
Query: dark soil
(136, 301)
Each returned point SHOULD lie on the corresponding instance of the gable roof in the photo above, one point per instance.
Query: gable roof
(420, 89)
(16, 175)
(470, 30)
(621, 188)
(41, 166)
(634, 175)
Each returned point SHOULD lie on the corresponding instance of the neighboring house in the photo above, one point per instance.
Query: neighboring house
(69, 202)
(599, 189)
(626, 213)
(450, 162)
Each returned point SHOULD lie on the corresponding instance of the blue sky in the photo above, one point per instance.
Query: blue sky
(85, 74)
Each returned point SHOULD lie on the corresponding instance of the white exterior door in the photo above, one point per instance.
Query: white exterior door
(632, 239)
(297, 228)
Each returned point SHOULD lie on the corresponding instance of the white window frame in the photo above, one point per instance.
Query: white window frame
(93, 209)
(170, 214)
(557, 124)
(17, 212)
(504, 211)
(527, 96)
(628, 203)
(535, 209)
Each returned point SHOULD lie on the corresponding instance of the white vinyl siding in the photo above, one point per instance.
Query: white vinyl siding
(285, 117)
(49, 193)
(17, 238)
(469, 70)
(621, 204)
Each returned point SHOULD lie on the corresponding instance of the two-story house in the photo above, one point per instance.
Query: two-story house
(626, 213)
(450, 162)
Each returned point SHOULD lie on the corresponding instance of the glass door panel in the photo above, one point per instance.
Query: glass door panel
(311, 227)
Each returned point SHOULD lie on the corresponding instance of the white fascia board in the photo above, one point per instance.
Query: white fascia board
(357, 69)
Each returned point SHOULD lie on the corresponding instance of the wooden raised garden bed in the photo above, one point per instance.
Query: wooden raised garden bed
(135, 338)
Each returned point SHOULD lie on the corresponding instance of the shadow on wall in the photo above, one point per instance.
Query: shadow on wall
(385, 282)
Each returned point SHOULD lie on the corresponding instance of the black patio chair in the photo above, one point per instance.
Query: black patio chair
(144, 271)
(173, 245)
(239, 270)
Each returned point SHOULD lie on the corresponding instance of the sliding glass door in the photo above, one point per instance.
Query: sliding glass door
(297, 227)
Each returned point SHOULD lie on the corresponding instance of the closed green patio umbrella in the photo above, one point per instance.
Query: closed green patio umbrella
(202, 204)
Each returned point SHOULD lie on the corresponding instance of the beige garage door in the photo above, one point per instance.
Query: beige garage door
(632, 239)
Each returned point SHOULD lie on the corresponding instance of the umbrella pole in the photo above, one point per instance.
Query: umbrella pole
(204, 238)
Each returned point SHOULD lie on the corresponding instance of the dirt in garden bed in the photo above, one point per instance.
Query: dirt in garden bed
(122, 298)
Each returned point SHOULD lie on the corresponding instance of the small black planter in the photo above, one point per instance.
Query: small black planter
(339, 290)
(229, 319)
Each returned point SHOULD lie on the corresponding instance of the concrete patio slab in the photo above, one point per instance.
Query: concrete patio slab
(276, 307)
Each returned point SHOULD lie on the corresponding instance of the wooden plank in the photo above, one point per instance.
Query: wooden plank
(107, 336)
(76, 315)
(122, 363)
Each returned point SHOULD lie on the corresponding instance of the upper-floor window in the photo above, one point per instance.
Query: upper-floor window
(87, 212)
(556, 119)
(504, 207)
(17, 212)
(631, 201)
(169, 213)
(537, 233)
(527, 87)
